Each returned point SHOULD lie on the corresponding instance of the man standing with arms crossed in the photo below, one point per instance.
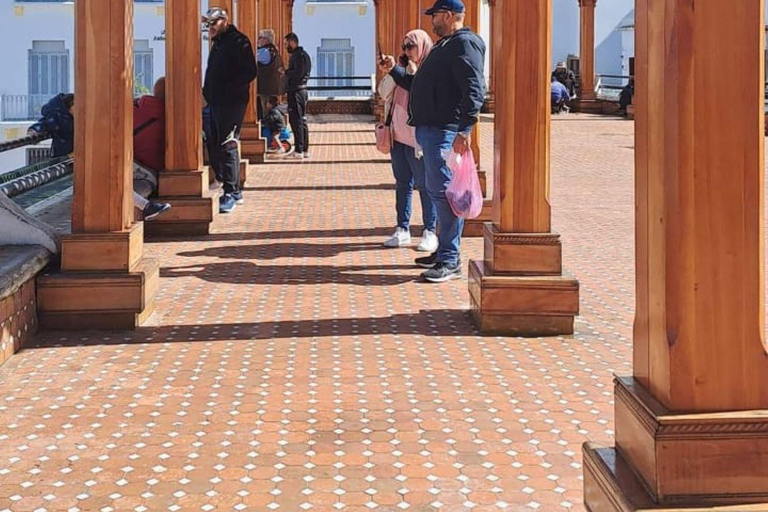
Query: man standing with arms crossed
(447, 93)
(231, 69)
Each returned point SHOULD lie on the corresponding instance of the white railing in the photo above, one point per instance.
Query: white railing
(22, 107)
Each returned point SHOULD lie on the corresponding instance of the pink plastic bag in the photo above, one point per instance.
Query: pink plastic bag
(464, 193)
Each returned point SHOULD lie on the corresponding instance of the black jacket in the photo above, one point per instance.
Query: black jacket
(299, 68)
(274, 120)
(231, 69)
(448, 90)
(60, 123)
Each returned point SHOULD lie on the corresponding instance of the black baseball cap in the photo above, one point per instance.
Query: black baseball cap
(445, 5)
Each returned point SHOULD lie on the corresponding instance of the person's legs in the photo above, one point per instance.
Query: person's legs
(227, 121)
(301, 105)
(401, 168)
(428, 241)
(438, 176)
(294, 119)
(214, 155)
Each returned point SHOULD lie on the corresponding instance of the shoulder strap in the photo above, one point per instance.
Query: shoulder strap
(143, 126)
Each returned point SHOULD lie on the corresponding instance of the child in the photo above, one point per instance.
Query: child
(274, 121)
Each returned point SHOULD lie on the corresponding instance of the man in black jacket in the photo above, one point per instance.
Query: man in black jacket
(296, 77)
(231, 69)
(446, 94)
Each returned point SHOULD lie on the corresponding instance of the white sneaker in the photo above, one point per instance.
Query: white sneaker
(428, 242)
(305, 155)
(399, 238)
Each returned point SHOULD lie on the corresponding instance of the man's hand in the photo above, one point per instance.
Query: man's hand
(386, 63)
(461, 144)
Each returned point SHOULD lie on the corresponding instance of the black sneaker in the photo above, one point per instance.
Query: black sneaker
(442, 272)
(427, 261)
(238, 197)
(153, 210)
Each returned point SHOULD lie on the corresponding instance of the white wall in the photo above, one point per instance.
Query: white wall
(355, 20)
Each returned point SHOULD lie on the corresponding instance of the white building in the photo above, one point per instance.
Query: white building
(37, 38)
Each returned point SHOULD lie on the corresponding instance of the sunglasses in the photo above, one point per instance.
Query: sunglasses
(408, 46)
(208, 24)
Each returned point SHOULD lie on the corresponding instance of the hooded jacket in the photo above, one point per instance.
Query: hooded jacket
(231, 69)
(299, 68)
(448, 90)
(60, 123)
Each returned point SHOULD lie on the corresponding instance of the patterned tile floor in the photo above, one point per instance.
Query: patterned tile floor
(294, 364)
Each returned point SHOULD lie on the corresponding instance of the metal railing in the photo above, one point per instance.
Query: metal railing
(341, 86)
(608, 87)
(27, 140)
(22, 107)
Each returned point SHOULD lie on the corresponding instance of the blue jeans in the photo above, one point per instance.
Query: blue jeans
(438, 175)
(408, 171)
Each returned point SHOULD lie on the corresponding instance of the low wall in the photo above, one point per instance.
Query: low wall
(321, 106)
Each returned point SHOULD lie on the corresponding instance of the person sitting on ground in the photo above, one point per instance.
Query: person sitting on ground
(149, 149)
(566, 77)
(625, 98)
(57, 120)
(560, 97)
(273, 125)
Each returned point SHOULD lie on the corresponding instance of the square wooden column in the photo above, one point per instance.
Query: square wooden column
(252, 146)
(104, 282)
(692, 421)
(519, 288)
(184, 182)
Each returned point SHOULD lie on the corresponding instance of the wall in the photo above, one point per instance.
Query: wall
(355, 20)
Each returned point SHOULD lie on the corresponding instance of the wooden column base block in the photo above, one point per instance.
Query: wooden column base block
(489, 106)
(522, 305)
(183, 183)
(630, 111)
(120, 250)
(610, 485)
(476, 227)
(244, 165)
(705, 458)
(98, 300)
(483, 182)
(522, 253)
(252, 146)
(588, 106)
(188, 216)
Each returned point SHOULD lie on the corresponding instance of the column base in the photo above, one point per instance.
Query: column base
(244, 165)
(98, 300)
(522, 305)
(252, 146)
(692, 459)
(193, 207)
(483, 181)
(489, 106)
(610, 485)
(476, 227)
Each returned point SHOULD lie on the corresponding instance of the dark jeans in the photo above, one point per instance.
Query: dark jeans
(226, 121)
(409, 170)
(297, 117)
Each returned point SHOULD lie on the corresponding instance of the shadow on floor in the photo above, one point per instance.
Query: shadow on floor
(427, 322)
(272, 251)
(379, 186)
(345, 234)
(246, 273)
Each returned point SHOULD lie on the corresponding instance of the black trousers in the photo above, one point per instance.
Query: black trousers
(226, 122)
(297, 117)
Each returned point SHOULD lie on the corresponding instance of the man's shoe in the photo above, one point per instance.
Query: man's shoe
(238, 197)
(227, 203)
(428, 242)
(153, 210)
(427, 261)
(399, 238)
(296, 156)
(442, 272)
(305, 155)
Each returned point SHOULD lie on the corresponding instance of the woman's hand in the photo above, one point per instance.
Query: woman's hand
(411, 67)
(386, 63)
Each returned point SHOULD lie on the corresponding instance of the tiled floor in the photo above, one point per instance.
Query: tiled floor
(295, 364)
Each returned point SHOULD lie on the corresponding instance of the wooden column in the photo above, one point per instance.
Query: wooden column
(494, 32)
(252, 145)
(474, 227)
(184, 182)
(586, 101)
(519, 288)
(692, 421)
(276, 14)
(104, 281)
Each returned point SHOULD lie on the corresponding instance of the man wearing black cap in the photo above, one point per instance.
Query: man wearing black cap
(446, 95)
(231, 69)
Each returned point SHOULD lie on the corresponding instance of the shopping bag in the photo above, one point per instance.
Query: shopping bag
(464, 193)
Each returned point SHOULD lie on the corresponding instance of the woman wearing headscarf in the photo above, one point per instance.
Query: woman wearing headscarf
(407, 162)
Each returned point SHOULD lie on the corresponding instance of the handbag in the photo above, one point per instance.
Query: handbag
(383, 133)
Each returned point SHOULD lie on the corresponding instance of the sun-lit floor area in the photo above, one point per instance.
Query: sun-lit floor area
(293, 363)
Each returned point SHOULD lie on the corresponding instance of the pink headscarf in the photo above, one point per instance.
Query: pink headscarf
(423, 43)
